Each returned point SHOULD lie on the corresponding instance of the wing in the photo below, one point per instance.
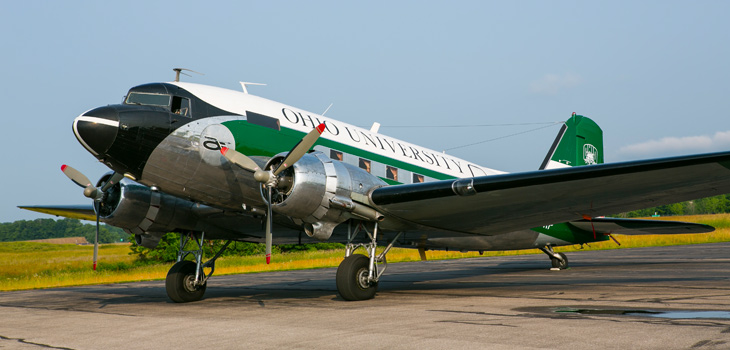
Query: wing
(499, 204)
(81, 212)
(639, 227)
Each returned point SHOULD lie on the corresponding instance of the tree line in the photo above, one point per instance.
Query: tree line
(166, 251)
(27, 230)
(710, 205)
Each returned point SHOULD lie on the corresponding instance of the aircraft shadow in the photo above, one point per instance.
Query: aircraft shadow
(526, 272)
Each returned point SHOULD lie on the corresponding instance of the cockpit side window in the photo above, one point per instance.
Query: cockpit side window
(146, 99)
(181, 106)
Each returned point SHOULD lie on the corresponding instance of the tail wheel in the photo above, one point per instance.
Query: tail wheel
(352, 279)
(180, 283)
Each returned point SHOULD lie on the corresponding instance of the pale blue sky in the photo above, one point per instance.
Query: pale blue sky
(653, 74)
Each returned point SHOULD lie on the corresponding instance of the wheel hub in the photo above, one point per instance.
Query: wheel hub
(362, 279)
(189, 283)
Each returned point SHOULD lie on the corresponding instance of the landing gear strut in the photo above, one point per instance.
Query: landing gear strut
(559, 260)
(358, 275)
(186, 281)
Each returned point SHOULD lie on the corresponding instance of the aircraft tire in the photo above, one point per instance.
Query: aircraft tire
(179, 283)
(350, 279)
(557, 263)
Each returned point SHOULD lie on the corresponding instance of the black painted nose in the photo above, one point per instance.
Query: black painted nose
(97, 129)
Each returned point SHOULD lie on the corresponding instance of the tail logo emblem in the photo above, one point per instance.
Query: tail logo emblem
(589, 154)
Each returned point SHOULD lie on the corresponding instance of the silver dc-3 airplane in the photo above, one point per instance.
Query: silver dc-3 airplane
(212, 163)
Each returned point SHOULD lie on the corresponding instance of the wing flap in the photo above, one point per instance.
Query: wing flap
(499, 204)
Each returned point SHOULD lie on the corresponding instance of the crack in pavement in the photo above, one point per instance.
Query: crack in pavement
(44, 346)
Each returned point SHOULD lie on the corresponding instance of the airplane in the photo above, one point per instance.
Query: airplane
(214, 163)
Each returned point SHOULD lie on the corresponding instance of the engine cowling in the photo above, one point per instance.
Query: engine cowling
(320, 193)
(141, 210)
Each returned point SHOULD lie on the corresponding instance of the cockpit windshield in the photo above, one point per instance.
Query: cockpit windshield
(147, 99)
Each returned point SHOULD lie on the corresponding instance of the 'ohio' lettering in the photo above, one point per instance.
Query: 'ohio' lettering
(299, 118)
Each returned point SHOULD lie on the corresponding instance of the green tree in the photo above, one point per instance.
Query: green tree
(710, 205)
(26, 230)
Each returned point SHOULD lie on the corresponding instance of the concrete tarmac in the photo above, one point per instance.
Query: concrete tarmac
(606, 300)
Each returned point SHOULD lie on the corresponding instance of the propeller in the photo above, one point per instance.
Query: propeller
(268, 177)
(93, 192)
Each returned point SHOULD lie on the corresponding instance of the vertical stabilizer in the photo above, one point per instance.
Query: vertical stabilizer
(579, 142)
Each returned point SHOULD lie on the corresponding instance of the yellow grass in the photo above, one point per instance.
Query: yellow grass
(40, 265)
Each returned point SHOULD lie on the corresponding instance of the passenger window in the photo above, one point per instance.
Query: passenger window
(417, 178)
(391, 173)
(181, 106)
(336, 155)
(365, 164)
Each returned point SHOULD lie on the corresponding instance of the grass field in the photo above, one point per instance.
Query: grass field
(30, 265)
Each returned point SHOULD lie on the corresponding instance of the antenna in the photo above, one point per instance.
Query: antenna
(243, 85)
(178, 71)
(375, 127)
(328, 108)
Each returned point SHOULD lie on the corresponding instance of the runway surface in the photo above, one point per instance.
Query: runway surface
(483, 303)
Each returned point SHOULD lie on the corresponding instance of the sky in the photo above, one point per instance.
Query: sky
(653, 74)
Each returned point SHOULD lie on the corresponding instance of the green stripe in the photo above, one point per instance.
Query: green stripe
(255, 140)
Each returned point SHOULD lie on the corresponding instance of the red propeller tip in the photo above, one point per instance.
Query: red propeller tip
(268, 259)
(63, 167)
(320, 128)
(224, 150)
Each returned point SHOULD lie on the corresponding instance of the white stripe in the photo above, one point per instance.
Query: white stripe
(97, 120)
(556, 165)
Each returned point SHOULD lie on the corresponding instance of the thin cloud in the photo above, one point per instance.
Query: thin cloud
(552, 84)
(678, 145)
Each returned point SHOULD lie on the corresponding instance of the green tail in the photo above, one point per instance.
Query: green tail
(579, 142)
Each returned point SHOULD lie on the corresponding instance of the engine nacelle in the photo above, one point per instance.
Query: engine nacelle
(140, 210)
(320, 193)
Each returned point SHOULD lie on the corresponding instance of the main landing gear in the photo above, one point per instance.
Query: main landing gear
(358, 275)
(559, 260)
(186, 280)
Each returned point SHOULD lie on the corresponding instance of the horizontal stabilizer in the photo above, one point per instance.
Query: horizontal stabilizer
(81, 212)
(621, 226)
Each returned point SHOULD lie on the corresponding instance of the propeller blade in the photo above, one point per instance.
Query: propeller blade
(239, 159)
(269, 236)
(301, 148)
(76, 176)
(97, 194)
(97, 206)
(116, 177)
